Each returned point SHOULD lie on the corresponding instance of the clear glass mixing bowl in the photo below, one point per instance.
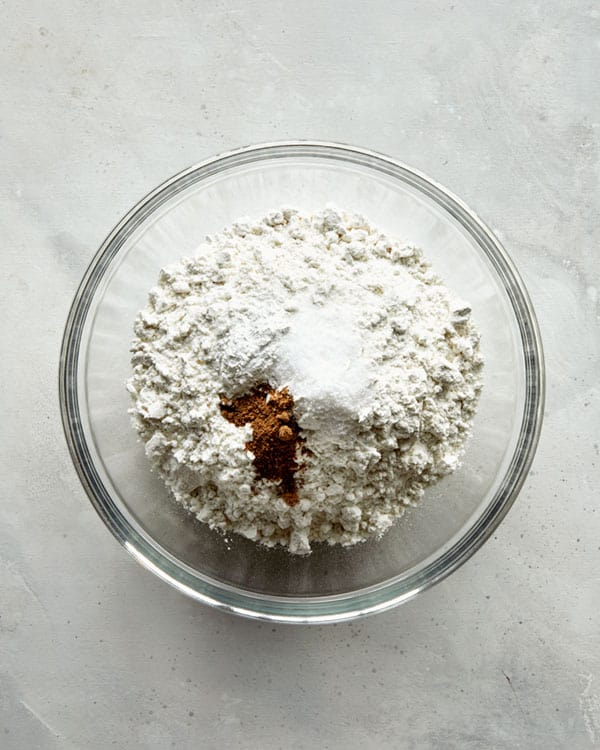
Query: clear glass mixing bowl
(428, 542)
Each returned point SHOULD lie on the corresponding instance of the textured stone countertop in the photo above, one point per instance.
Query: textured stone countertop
(99, 102)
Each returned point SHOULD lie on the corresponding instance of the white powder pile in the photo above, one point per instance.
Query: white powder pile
(381, 360)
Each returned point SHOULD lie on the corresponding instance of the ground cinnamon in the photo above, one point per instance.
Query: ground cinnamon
(275, 434)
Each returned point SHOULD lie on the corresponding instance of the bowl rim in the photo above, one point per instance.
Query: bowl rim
(328, 608)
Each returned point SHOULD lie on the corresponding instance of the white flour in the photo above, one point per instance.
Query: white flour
(381, 360)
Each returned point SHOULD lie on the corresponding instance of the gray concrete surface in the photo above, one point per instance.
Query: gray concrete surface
(99, 102)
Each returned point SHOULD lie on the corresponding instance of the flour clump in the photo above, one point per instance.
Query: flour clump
(303, 378)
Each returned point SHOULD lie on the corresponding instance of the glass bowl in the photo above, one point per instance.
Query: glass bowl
(455, 516)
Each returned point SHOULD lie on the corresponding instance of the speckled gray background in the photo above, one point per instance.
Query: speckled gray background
(99, 102)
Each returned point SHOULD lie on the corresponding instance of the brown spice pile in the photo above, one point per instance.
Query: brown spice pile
(275, 434)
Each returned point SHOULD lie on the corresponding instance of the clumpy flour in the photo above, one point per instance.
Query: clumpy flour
(303, 378)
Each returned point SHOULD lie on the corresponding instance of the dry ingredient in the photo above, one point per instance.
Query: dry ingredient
(303, 378)
(275, 434)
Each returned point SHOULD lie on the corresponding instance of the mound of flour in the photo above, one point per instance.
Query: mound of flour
(381, 359)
